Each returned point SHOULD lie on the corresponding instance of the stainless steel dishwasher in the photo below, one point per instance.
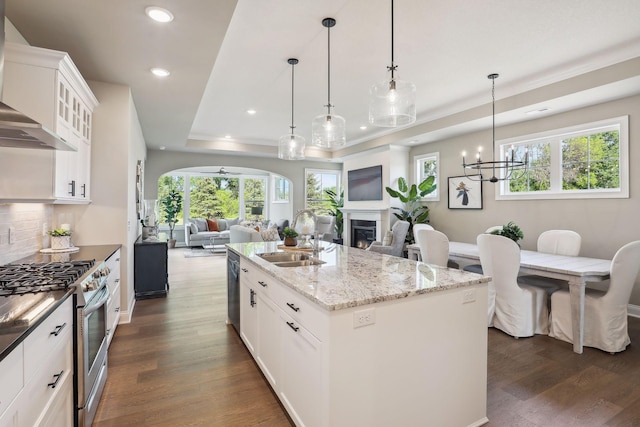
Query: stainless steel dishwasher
(233, 290)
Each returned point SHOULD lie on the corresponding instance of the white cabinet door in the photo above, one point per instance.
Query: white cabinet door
(268, 354)
(301, 373)
(248, 317)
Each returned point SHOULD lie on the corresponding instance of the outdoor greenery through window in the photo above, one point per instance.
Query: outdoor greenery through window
(318, 181)
(215, 197)
(579, 162)
(427, 165)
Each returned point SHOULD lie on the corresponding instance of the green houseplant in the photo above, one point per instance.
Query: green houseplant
(337, 202)
(510, 230)
(412, 211)
(60, 238)
(171, 208)
(290, 236)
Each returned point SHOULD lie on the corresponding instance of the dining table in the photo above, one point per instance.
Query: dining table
(576, 270)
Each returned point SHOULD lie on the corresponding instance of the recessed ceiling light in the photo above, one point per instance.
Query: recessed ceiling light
(160, 72)
(227, 137)
(413, 141)
(538, 111)
(363, 127)
(251, 111)
(159, 14)
(162, 147)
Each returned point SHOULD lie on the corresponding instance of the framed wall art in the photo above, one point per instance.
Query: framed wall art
(464, 193)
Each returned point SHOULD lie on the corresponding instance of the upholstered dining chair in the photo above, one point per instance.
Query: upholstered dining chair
(605, 313)
(558, 242)
(326, 226)
(418, 227)
(477, 268)
(520, 310)
(396, 247)
(434, 247)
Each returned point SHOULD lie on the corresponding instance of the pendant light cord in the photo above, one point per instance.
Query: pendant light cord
(493, 78)
(328, 70)
(292, 78)
(393, 67)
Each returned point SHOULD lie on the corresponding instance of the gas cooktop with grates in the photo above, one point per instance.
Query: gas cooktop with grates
(18, 279)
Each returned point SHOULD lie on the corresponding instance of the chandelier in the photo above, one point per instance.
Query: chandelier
(291, 146)
(392, 102)
(505, 168)
(328, 130)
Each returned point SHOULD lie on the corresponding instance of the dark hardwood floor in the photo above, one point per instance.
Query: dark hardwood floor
(179, 364)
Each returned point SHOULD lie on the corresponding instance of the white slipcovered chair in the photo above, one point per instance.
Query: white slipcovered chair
(396, 248)
(558, 242)
(326, 227)
(520, 310)
(477, 268)
(434, 246)
(605, 313)
(418, 227)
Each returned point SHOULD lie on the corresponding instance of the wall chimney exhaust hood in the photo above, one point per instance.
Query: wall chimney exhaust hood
(18, 130)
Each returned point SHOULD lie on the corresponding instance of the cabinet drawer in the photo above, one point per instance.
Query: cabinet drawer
(300, 309)
(11, 379)
(113, 264)
(43, 341)
(46, 384)
(248, 271)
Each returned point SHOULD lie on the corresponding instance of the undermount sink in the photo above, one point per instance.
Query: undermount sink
(290, 259)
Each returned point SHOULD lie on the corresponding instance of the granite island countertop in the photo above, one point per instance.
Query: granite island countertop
(353, 277)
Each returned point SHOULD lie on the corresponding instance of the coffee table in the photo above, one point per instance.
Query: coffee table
(210, 245)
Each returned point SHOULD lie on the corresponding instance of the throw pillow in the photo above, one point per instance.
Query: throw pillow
(387, 240)
(231, 222)
(212, 224)
(270, 235)
(222, 224)
(193, 227)
(201, 224)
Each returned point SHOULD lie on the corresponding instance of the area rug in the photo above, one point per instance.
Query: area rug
(201, 252)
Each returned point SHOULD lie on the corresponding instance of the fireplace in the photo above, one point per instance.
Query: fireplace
(363, 232)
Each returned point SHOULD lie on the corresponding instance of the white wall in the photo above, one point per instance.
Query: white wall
(117, 144)
(605, 224)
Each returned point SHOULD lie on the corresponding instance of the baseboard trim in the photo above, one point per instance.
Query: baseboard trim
(633, 310)
(125, 315)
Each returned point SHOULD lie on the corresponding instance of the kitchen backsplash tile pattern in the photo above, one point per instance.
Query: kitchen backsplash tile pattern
(27, 221)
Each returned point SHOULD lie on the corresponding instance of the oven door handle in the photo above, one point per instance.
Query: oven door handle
(95, 305)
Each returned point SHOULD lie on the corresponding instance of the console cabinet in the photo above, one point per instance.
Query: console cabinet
(150, 275)
(47, 86)
(37, 376)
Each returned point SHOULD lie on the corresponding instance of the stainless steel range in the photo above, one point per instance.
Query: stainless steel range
(32, 282)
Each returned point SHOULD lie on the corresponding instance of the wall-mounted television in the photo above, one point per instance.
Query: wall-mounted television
(365, 184)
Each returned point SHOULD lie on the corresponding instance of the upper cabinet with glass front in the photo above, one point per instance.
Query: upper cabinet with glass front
(46, 85)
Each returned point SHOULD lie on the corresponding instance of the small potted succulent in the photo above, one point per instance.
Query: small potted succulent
(290, 236)
(60, 238)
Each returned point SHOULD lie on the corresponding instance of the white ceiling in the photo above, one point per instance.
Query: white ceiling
(226, 57)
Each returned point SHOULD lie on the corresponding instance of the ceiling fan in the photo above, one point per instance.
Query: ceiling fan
(223, 171)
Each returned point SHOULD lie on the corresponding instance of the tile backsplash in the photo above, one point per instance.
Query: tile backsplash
(27, 221)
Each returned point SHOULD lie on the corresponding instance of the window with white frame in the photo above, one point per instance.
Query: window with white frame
(585, 161)
(317, 181)
(427, 165)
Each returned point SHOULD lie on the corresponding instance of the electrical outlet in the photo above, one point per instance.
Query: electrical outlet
(364, 317)
(12, 235)
(469, 296)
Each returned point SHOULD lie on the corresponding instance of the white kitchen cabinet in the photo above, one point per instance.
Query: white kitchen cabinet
(422, 361)
(113, 303)
(46, 85)
(44, 364)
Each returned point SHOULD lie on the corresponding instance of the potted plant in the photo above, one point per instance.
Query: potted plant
(413, 211)
(337, 202)
(510, 230)
(290, 236)
(60, 238)
(171, 207)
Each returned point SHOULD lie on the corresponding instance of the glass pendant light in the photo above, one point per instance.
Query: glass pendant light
(291, 146)
(392, 102)
(328, 130)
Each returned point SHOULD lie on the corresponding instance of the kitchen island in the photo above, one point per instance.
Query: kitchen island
(366, 339)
